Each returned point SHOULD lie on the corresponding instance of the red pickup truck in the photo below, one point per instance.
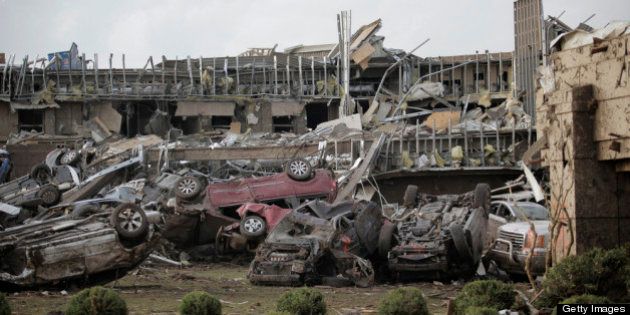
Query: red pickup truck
(221, 200)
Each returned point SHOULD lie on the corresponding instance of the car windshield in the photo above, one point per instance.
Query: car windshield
(533, 211)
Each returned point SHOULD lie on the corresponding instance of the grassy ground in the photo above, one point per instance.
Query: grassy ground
(159, 290)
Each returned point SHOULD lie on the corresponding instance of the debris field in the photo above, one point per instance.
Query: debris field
(348, 167)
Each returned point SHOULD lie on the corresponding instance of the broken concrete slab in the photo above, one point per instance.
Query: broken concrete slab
(352, 122)
(109, 116)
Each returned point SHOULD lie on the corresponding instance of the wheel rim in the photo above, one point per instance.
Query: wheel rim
(129, 220)
(48, 196)
(69, 156)
(298, 167)
(252, 225)
(187, 186)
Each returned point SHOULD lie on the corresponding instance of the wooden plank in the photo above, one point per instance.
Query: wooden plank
(363, 54)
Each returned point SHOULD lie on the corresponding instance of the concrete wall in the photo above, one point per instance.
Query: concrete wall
(8, 121)
(585, 121)
(64, 119)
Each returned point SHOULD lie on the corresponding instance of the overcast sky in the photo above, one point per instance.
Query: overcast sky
(140, 28)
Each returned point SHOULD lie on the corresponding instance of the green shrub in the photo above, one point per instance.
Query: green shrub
(200, 303)
(584, 299)
(302, 301)
(277, 313)
(97, 300)
(481, 310)
(485, 293)
(403, 301)
(598, 272)
(5, 308)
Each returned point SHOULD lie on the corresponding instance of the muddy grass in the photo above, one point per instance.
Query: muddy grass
(159, 290)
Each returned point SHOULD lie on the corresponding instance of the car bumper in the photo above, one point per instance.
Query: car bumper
(408, 259)
(513, 261)
(289, 273)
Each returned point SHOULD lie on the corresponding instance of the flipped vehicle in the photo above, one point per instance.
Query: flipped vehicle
(320, 243)
(94, 247)
(199, 217)
(510, 221)
(299, 181)
(437, 236)
(62, 173)
(42, 186)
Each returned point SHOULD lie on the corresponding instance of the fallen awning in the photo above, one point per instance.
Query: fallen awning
(15, 106)
(204, 109)
(286, 108)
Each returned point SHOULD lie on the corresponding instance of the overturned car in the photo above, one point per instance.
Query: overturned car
(84, 247)
(319, 243)
(201, 215)
(437, 236)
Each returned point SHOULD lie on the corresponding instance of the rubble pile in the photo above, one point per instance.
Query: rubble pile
(187, 171)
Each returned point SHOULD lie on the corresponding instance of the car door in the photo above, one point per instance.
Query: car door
(267, 189)
(495, 220)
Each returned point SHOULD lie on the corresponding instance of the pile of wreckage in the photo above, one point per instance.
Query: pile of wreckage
(92, 212)
(99, 204)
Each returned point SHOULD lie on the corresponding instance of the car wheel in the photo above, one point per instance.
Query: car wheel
(49, 195)
(188, 187)
(41, 173)
(461, 245)
(130, 221)
(411, 194)
(299, 169)
(253, 226)
(71, 157)
(385, 238)
(481, 197)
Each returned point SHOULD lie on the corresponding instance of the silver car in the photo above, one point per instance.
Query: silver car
(513, 238)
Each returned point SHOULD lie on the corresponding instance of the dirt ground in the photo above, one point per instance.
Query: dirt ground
(159, 290)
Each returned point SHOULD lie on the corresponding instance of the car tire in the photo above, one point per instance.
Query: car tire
(299, 169)
(130, 221)
(385, 238)
(411, 194)
(49, 195)
(84, 211)
(41, 173)
(188, 187)
(253, 226)
(70, 157)
(481, 197)
(460, 242)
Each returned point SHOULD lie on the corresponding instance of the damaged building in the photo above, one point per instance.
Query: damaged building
(340, 164)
